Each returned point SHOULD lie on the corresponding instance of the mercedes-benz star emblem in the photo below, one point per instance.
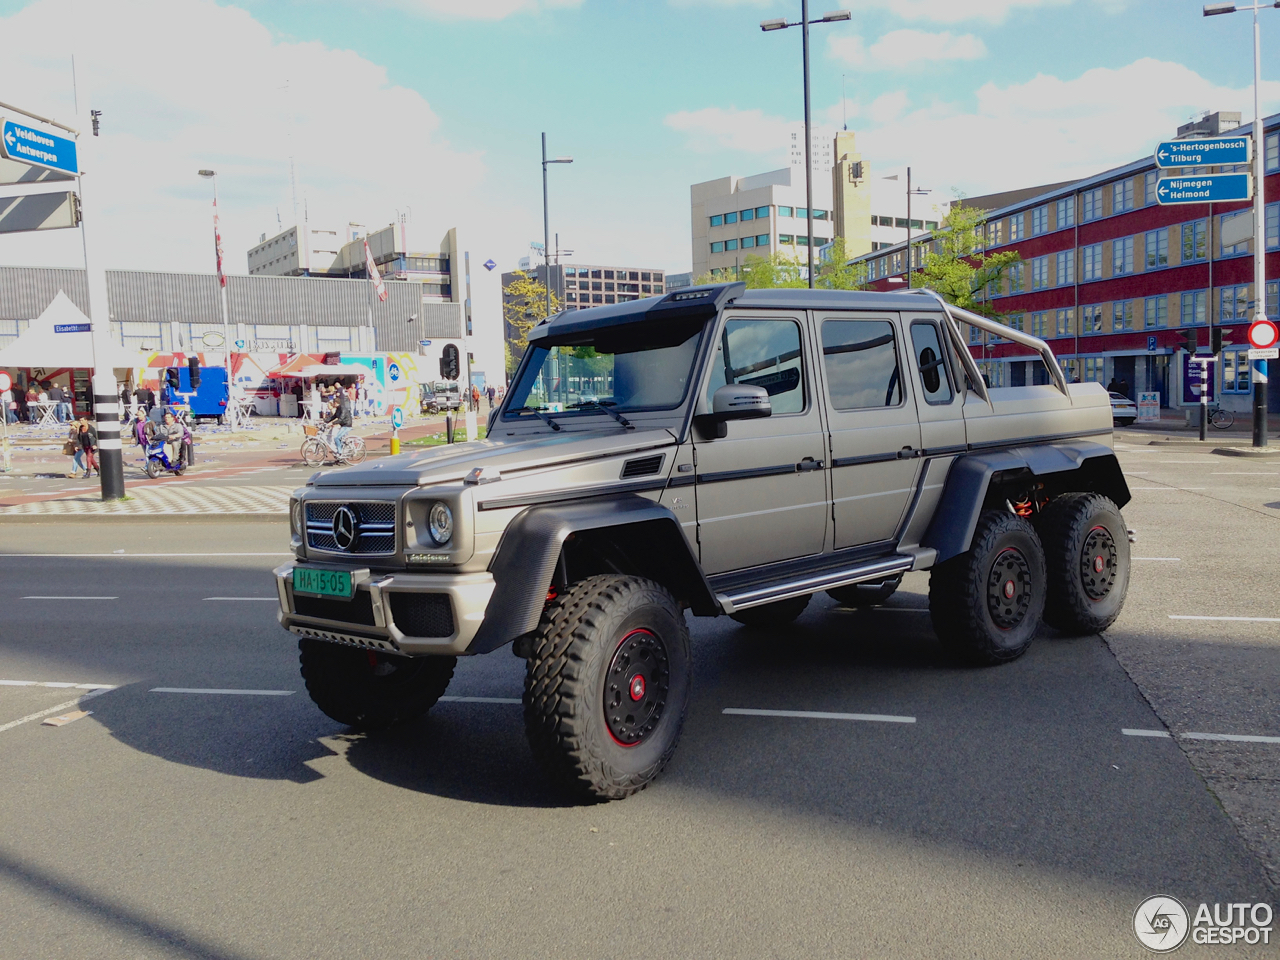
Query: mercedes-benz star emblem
(346, 529)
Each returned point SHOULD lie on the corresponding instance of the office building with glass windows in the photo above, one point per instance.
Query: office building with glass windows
(1114, 280)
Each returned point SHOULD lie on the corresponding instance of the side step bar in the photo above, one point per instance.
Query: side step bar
(758, 595)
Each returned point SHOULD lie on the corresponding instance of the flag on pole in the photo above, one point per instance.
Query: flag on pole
(217, 245)
(375, 277)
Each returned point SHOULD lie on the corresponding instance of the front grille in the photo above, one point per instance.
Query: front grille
(421, 614)
(359, 609)
(375, 520)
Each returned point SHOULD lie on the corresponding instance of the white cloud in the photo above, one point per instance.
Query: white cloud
(1049, 129)
(718, 128)
(888, 106)
(958, 11)
(481, 9)
(906, 49)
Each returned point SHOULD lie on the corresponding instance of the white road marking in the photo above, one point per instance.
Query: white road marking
(1168, 488)
(818, 715)
(211, 690)
(1226, 473)
(1174, 616)
(1233, 737)
(59, 685)
(1201, 462)
(1169, 559)
(60, 708)
(1146, 733)
(70, 598)
(241, 598)
(514, 700)
(131, 556)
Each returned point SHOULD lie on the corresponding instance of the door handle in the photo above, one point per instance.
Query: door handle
(907, 452)
(808, 463)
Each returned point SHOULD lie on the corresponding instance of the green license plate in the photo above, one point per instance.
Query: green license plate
(323, 583)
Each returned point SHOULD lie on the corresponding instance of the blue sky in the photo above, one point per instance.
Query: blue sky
(435, 107)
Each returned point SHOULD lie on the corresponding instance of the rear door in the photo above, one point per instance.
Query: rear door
(874, 431)
(761, 490)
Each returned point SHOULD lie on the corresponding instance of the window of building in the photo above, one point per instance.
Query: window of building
(717, 246)
(931, 224)
(1121, 256)
(764, 353)
(975, 335)
(1065, 267)
(995, 233)
(597, 298)
(1122, 195)
(609, 299)
(748, 243)
(802, 241)
(1091, 262)
(1150, 180)
(1018, 322)
(1092, 203)
(730, 218)
(1194, 308)
(861, 362)
(992, 372)
(1016, 224)
(1235, 371)
(747, 214)
(1233, 303)
(571, 284)
(595, 275)
(1194, 241)
(1039, 221)
(786, 238)
(1017, 277)
(1066, 212)
(608, 288)
(1089, 369)
(820, 214)
(596, 286)
(1063, 322)
(1243, 246)
(1040, 324)
(730, 245)
(717, 220)
(645, 277)
(608, 275)
(762, 213)
(762, 240)
(1273, 229)
(784, 211)
(571, 297)
(1121, 316)
(1155, 312)
(1157, 248)
(1091, 318)
(1272, 148)
(632, 275)
(1273, 298)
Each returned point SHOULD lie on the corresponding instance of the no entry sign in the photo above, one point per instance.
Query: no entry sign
(1263, 334)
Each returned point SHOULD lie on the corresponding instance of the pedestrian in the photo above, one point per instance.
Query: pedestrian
(1113, 386)
(140, 398)
(151, 399)
(124, 402)
(85, 438)
(475, 397)
(297, 392)
(30, 400)
(10, 406)
(491, 392)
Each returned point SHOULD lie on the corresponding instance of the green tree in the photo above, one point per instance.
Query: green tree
(957, 265)
(524, 306)
(837, 273)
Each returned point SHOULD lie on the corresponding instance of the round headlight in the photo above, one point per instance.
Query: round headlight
(295, 516)
(440, 522)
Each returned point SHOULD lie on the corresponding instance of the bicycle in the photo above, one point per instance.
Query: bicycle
(1220, 418)
(318, 450)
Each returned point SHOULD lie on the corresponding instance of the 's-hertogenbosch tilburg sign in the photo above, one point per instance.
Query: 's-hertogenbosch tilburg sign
(1209, 152)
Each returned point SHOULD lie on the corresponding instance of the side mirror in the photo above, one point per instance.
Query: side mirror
(736, 401)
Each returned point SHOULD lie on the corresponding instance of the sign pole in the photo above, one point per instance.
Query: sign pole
(1259, 371)
(1204, 400)
(106, 399)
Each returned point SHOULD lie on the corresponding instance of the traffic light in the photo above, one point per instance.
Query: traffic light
(171, 377)
(193, 365)
(1190, 341)
(1218, 340)
(449, 365)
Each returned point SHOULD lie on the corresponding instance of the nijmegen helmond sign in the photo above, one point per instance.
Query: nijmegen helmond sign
(1215, 188)
(1209, 152)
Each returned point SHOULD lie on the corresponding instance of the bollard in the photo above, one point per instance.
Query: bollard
(448, 428)
(395, 440)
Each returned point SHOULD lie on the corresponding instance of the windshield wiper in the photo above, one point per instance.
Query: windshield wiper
(603, 405)
(537, 412)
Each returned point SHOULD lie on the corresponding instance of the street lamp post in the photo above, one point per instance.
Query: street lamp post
(1259, 372)
(546, 221)
(919, 192)
(833, 16)
(233, 412)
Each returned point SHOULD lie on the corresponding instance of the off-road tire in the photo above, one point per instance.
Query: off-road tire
(1080, 532)
(368, 689)
(585, 634)
(972, 613)
(865, 594)
(772, 615)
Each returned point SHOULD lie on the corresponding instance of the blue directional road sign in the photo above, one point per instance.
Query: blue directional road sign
(40, 149)
(1204, 153)
(1214, 188)
(397, 418)
(489, 264)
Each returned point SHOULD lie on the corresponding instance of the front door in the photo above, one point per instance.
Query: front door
(762, 490)
(875, 436)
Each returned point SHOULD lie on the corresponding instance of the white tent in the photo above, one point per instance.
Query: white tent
(59, 338)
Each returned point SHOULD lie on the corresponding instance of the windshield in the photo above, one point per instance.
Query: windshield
(646, 368)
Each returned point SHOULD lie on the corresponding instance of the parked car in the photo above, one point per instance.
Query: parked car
(440, 395)
(1123, 410)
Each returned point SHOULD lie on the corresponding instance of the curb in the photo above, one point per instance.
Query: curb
(1256, 452)
(1195, 441)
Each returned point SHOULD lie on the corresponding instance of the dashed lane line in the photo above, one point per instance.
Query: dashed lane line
(241, 598)
(514, 700)
(60, 708)
(1229, 737)
(817, 715)
(223, 692)
(1174, 616)
(57, 685)
(1164, 559)
(70, 598)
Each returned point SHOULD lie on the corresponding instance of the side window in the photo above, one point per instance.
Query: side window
(765, 353)
(861, 360)
(931, 362)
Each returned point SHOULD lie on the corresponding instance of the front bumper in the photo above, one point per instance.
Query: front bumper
(390, 611)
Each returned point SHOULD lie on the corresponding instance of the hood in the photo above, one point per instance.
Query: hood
(451, 462)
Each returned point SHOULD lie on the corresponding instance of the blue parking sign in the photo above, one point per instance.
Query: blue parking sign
(1151, 342)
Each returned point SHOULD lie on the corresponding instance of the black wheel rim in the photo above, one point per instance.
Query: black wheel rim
(636, 687)
(1009, 588)
(1098, 564)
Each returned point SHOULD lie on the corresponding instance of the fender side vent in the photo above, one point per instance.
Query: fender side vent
(643, 467)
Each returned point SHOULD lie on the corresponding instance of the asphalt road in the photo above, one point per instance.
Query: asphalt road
(1012, 818)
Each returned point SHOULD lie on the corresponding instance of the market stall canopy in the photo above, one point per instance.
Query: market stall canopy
(310, 365)
(293, 366)
(59, 338)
